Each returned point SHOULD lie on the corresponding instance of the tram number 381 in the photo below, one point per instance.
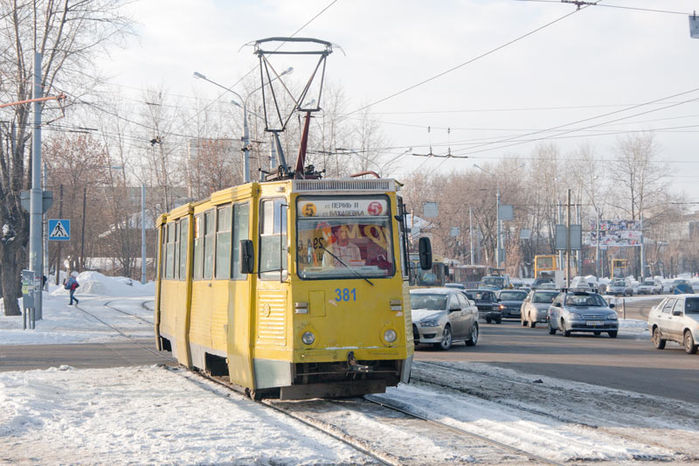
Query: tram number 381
(345, 294)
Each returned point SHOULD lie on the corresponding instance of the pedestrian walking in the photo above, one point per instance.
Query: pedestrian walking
(72, 285)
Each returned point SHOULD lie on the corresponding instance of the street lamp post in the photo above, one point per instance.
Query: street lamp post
(497, 207)
(246, 132)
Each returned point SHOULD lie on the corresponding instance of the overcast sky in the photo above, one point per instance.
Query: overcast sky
(515, 79)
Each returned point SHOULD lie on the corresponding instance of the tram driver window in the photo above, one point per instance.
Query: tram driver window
(344, 237)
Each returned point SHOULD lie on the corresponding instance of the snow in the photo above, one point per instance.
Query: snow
(160, 414)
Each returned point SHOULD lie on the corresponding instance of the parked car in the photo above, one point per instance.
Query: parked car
(536, 306)
(650, 286)
(488, 306)
(442, 316)
(676, 318)
(495, 282)
(619, 287)
(511, 302)
(682, 287)
(582, 311)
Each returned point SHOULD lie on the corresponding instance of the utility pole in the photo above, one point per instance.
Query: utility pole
(470, 232)
(643, 252)
(45, 231)
(599, 271)
(82, 231)
(568, 243)
(578, 253)
(498, 240)
(58, 252)
(560, 222)
(143, 234)
(36, 194)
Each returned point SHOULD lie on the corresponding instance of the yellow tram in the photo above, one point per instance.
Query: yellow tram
(294, 289)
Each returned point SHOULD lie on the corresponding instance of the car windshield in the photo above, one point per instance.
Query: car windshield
(435, 302)
(618, 283)
(649, 282)
(585, 300)
(513, 295)
(344, 238)
(545, 298)
(478, 295)
(691, 306)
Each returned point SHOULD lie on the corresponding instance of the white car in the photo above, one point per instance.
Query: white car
(535, 307)
(676, 318)
(650, 286)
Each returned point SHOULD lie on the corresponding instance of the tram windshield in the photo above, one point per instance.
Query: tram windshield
(344, 237)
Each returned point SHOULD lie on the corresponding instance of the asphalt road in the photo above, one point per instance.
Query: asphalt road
(625, 363)
(81, 356)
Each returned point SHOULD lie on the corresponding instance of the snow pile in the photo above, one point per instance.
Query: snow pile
(97, 284)
(148, 415)
(634, 327)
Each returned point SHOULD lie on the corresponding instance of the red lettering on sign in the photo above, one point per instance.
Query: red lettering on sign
(375, 208)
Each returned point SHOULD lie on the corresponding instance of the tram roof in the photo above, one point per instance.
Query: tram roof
(328, 185)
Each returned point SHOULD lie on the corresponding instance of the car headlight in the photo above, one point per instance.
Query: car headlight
(612, 317)
(429, 323)
(390, 336)
(575, 315)
(308, 338)
(501, 307)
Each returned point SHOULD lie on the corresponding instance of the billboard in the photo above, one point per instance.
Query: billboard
(616, 233)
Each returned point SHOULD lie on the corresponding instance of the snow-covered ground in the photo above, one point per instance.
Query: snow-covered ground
(157, 414)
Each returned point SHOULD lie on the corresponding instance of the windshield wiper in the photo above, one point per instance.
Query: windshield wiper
(343, 263)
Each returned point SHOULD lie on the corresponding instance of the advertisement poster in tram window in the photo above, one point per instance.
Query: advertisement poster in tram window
(335, 234)
(616, 233)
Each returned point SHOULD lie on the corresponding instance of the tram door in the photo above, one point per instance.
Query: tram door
(272, 289)
(240, 299)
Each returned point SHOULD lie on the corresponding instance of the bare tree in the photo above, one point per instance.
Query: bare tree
(67, 34)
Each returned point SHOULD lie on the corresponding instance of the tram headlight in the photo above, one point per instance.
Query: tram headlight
(390, 335)
(308, 338)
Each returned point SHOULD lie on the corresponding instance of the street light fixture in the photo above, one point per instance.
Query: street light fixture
(246, 132)
(497, 206)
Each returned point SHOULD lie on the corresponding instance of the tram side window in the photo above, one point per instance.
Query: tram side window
(170, 251)
(273, 216)
(198, 248)
(184, 236)
(223, 242)
(161, 251)
(209, 236)
(241, 226)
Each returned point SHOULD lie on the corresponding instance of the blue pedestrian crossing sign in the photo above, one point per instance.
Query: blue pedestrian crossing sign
(59, 229)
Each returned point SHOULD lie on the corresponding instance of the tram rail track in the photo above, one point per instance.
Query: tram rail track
(135, 340)
(315, 414)
(505, 397)
(379, 457)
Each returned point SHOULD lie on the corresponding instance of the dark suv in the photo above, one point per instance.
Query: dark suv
(487, 303)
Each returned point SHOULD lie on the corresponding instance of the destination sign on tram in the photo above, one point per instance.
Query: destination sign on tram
(345, 207)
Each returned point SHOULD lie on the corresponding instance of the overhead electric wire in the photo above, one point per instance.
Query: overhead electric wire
(461, 65)
(607, 5)
(590, 119)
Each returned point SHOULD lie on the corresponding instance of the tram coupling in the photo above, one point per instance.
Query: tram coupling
(354, 366)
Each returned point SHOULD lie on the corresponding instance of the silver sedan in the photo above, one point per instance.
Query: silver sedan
(535, 307)
(582, 311)
(442, 315)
